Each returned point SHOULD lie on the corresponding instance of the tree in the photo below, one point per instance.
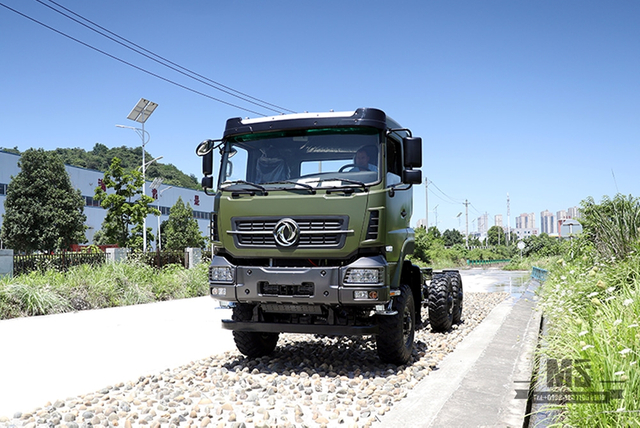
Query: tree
(181, 230)
(434, 233)
(541, 245)
(496, 236)
(43, 212)
(452, 237)
(123, 224)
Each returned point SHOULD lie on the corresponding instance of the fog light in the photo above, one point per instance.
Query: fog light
(218, 291)
(363, 294)
(360, 294)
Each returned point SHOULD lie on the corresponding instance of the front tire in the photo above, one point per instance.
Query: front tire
(253, 344)
(396, 332)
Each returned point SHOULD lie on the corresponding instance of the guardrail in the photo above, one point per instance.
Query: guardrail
(539, 273)
(487, 262)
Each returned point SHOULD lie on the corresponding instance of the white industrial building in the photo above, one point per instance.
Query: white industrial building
(87, 180)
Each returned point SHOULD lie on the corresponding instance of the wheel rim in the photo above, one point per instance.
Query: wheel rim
(407, 324)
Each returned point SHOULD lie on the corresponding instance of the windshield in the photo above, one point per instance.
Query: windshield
(316, 158)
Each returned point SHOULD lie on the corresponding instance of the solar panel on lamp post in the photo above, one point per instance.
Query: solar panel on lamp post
(140, 114)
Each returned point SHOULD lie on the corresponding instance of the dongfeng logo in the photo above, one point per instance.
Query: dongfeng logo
(286, 232)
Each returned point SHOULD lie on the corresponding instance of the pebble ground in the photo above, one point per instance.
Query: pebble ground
(307, 382)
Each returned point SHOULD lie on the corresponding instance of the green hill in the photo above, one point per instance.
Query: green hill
(100, 157)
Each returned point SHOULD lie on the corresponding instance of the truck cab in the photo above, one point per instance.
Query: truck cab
(311, 228)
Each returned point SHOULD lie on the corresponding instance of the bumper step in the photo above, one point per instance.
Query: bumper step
(330, 330)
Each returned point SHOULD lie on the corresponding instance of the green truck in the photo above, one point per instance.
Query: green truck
(310, 231)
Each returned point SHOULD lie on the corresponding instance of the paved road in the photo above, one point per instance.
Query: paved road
(475, 385)
(59, 356)
(43, 359)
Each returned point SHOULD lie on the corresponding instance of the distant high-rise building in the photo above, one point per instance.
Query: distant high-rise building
(547, 222)
(574, 212)
(498, 220)
(562, 215)
(526, 221)
(483, 223)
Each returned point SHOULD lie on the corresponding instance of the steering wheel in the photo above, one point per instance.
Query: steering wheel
(349, 165)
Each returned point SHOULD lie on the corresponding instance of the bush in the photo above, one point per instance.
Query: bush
(109, 285)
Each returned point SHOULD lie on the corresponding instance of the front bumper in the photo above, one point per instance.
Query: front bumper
(312, 285)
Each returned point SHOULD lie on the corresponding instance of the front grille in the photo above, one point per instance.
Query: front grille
(315, 232)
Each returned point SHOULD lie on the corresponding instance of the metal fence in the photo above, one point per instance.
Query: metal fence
(160, 259)
(487, 262)
(23, 264)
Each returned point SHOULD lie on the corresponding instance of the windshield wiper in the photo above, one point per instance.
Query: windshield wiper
(305, 185)
(347, 180)
(231, 183)
(346, 188)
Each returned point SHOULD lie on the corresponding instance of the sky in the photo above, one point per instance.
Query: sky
(539, 100)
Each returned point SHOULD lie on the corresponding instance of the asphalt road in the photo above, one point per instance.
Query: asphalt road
(46, 358)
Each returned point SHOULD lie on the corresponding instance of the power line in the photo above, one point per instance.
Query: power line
(452, 200)
(175, 67)
(130, 64)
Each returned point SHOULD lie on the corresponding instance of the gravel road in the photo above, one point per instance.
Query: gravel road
(308, 381)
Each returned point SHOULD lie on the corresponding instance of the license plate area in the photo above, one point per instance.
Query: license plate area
(306, 289)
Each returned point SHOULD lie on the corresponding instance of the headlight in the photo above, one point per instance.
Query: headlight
(221, 274)
(362, 276)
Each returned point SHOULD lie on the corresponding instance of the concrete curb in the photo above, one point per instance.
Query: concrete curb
(475, 385)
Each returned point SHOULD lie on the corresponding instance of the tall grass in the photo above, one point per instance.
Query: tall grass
(591, 301)
(593, 315)
(526, 263)
(87, 287)
(613, 226)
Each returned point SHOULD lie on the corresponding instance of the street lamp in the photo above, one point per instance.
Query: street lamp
(155, 185)
(140, 114)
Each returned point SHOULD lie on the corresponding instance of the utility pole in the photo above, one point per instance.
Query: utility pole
(426, 199)
(466, 231)
(508, 221)
(435, 209)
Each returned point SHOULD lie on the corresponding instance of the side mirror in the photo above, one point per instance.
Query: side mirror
(412, 147)
(205, 150)
(207, 182)
(207, 164)
(412, 176)
(205, 147)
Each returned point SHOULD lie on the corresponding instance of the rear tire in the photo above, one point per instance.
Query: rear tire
(396, 332)
(440, 303)
(253, 344)
(458, 295)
